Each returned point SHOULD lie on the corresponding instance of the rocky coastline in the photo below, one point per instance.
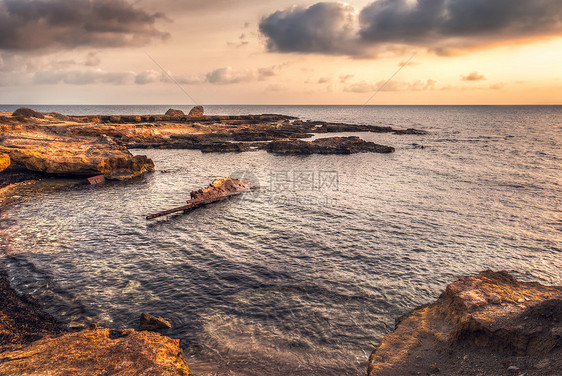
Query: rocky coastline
(488, 324)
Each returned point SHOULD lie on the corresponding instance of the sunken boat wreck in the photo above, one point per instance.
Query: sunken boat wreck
(219, 189)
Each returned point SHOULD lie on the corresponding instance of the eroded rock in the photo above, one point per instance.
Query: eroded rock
(98, 351)
(467, 332)
(43, 151)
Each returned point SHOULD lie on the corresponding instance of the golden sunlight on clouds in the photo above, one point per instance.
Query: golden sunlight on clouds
(268, 52)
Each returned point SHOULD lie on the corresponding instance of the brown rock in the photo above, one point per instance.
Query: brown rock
(197, 111)
(98, 352)
(172, 112)
(52, 154)
(4, 162)
(464, 323)
(331, 145)
(149, 322)
(27, 112)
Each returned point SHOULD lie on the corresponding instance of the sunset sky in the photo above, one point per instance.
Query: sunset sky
(280, 52)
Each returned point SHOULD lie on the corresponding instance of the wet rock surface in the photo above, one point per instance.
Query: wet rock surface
(22, 320)
(488, 324)
(331, 145)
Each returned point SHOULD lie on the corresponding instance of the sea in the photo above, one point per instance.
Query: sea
(306, 274)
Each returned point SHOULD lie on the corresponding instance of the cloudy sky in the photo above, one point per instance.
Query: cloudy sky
(280, 52)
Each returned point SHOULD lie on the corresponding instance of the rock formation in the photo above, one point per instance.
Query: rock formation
(197, 111)
(172, 112)
(49, 153)
(488, 324)
(331, 145)
(98, 351)
(27, 112)
(4, 162)
(149, 322)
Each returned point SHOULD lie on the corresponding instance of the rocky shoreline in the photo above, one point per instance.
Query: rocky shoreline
(488, 324)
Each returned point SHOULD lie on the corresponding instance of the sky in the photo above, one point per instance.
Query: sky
(281, 52)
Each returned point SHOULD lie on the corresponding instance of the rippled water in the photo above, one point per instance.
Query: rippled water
(296, 279)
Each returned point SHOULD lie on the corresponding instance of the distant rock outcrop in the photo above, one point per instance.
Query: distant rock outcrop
(98, 351)
(197, 111)
(27, 112)
(488, 324)
(331, 145)
(172, 112)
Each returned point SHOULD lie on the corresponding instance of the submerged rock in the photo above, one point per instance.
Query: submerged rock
(98, 351)
(197, 111)
(331, 145)
(481, 324)
(173, 112)
(149, 322)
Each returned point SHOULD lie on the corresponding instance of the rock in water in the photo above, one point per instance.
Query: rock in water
(197, 111)
(172, 112)
(330, 145)
(152, 323)
(4, 162)
(28, 112)
(98, 351)
(466, 331)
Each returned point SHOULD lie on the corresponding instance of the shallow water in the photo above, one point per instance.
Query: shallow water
(297, 278)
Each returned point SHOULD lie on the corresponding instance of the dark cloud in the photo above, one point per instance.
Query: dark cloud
(445, 27)
(328, 28)
(474, 76)
(48, 24)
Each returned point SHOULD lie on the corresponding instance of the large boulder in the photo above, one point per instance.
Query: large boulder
(4, 162)
(27, 112)
(488, 324)
(172, 112)
(98, 351)
(197, 111)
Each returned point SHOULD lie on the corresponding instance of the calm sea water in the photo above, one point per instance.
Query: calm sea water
(307, 274)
